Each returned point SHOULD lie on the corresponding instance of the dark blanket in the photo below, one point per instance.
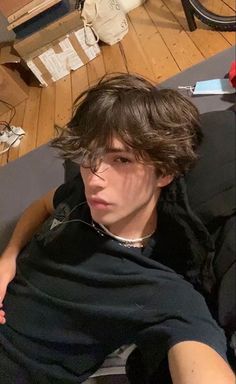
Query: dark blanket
(200, 210)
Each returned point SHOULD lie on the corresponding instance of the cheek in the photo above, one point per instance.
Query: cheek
(84, 174)
(145, 182)
(82, 170)
(135, 190)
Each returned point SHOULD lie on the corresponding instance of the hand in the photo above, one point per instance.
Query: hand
(7, 274)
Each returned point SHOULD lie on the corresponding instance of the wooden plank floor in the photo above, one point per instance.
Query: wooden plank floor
(158, 46)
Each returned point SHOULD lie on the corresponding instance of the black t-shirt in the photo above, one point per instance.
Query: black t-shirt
(78, 295)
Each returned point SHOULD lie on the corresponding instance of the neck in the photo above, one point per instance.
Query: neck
(139, 228)
(126, 242)
(138, 240)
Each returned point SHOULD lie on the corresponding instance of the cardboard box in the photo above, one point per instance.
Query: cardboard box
(13, 89)
(7, 7)
(30, 9)
(29, 13)
(70, 22)
(55, 50)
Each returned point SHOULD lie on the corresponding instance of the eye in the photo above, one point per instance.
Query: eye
(122, 160)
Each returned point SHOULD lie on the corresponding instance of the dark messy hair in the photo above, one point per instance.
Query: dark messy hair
(159, 125)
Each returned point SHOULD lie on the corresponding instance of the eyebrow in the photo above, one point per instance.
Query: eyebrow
(120, 150)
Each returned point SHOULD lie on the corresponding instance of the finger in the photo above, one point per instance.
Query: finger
(2, 317)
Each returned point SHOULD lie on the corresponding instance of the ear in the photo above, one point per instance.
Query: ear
(163, 181)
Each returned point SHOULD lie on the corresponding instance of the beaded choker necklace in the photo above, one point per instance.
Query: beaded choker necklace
(122, 240)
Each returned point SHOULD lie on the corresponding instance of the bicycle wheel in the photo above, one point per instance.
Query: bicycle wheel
(195, 8)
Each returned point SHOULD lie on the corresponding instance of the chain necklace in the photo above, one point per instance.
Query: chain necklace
(122, 240)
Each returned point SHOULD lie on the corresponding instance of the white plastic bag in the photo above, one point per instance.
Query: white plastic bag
(106, 19)
(128, 5)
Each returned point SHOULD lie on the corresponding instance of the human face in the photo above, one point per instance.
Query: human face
(122, 194)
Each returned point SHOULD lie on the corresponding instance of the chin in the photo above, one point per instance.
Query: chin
(101, 218)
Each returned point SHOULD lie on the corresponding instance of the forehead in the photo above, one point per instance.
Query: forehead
(113, 144)
(117, 145)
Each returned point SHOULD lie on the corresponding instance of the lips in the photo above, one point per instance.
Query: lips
(97, 203)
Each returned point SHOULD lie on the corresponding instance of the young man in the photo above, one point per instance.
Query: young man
(89, 276)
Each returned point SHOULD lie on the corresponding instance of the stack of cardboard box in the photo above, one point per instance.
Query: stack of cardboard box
(50, 53)
(62, 46)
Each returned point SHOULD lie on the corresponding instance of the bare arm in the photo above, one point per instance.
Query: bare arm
(192, 362)
(27, 225)
(29, 222)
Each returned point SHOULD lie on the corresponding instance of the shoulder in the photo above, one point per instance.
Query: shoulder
(72, 189)
(211, 183)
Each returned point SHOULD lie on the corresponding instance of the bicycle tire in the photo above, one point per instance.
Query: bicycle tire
(222, 23)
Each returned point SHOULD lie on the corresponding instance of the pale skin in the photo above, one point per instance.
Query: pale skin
(120, 175)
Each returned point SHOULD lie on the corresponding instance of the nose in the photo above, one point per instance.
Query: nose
(102, 167)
